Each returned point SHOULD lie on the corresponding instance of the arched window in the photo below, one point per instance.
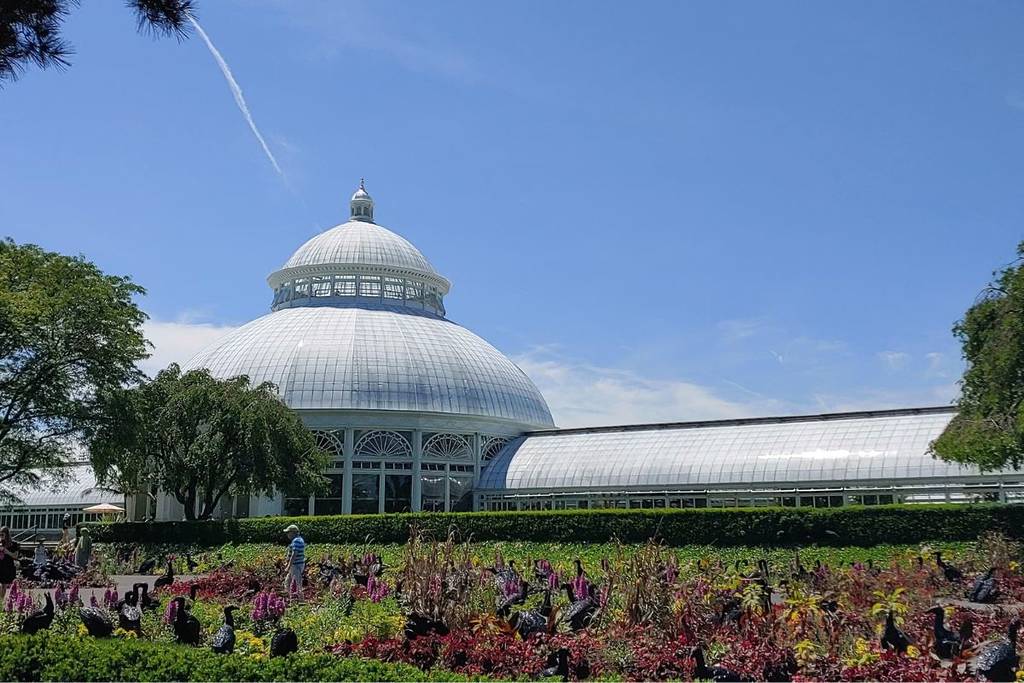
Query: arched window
(329, 442)
(447, 446)
(492, 446)
(382, 444)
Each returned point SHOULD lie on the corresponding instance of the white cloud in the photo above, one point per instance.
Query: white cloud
(178, 341)
(580, 394)
(894, 360)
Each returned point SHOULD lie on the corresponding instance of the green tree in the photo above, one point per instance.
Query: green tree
(989, 429)
(30, 29)
(200, 438)
(67, 333)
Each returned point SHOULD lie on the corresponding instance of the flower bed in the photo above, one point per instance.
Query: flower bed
(649, 613)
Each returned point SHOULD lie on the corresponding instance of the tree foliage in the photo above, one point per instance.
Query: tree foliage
(200, 438)
(989, 429)
(67, 333)
(30, 30)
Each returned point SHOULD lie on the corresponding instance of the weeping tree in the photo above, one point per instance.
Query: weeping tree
(988, 431)
(199, 439)
(30, 30)
(68, 333)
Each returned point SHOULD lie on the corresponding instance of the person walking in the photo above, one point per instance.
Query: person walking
(296, 561)
(8, 561)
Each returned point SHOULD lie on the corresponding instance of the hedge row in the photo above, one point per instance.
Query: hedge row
(863, 526)
(49, 657)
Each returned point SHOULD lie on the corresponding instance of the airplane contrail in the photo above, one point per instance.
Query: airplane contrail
(236, 90)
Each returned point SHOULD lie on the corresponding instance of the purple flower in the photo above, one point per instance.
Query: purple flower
(171, 612)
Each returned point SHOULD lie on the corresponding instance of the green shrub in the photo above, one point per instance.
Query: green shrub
(850, 526)
(49, 657)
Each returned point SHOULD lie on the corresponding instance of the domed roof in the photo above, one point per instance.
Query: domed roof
(377, 358)
(360, 243)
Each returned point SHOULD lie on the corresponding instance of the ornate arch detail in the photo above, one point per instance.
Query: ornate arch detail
(383, 444)
(448, 446)
(329, 442)
(492, 446)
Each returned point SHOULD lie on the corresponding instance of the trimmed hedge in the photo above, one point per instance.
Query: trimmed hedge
(851, 526)
(50, 657)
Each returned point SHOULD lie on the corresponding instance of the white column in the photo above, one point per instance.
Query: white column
(380, 488)
(347, 449)
(417, 459)
(477, 466)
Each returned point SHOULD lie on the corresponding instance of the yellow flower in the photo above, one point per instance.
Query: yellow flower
(1014, 566)
(1020, 675)
(82, 630)
(913, 652)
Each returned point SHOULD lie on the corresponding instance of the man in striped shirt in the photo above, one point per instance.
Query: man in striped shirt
(296, 561)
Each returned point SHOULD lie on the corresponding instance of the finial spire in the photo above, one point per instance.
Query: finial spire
(361, 204)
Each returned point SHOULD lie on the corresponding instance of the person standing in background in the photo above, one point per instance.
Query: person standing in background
(8, 561)
(296, 561)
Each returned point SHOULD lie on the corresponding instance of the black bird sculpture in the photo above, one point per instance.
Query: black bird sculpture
(147, 566)
(560, 666)
(948, 644)
(186, 627)
(145, 600)
(224, 639)
(949, 571)
(96, 621)
(284, 642)
(580, 611)
(129, 614)
(190, 563)
(893, 638)
(985, 588)
(528, 622)
(167, 579)
(711, 673)
(997, 661)
(39, 620)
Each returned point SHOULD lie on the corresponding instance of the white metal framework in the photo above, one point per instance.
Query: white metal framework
(821, 461)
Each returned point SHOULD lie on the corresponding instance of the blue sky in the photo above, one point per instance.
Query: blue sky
(663, 210)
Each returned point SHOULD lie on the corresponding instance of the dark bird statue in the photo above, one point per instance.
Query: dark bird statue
(145, 600)
(147, 566)
(39, 620)
(985, 588)
(948, 644)
(528, 622)
(187, 630)
(167, 579)
(997, 661)
(129, 614)
(283, 643)
(949, 571)
(711, 673)
(893, 638)
(559, 666)
(580, 611)
(190, 563)
(96, 621)
(224, 639)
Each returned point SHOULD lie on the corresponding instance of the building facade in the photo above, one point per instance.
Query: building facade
(420, 414)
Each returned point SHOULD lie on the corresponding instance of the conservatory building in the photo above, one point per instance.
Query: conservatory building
(420, 414)
(410, 405)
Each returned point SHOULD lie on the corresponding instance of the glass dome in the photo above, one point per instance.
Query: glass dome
(357, 323)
